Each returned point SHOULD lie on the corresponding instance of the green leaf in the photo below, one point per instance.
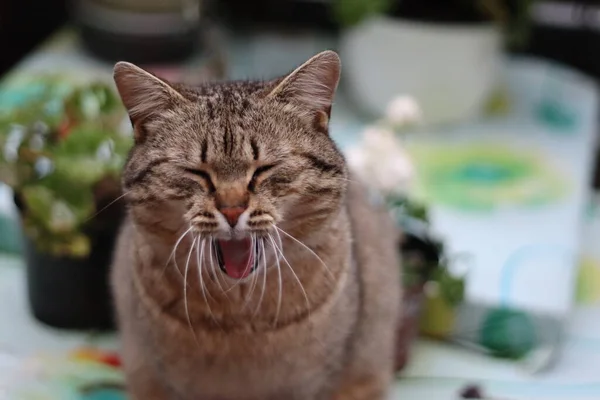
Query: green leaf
(352, 12)
(38, 201)
(452, 289)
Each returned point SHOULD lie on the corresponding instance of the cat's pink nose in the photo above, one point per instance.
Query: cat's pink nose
(232, 214)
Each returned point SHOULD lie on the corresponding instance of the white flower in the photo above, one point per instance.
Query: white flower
(105, 151)
(356, 158)
(403, 110)
(125, 127)
(381, 162)
(379, 138)
(43, 166)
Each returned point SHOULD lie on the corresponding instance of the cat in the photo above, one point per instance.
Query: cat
(251, 265)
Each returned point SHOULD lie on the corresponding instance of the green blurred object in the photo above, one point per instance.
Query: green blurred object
(508, 333)
(352, 12)
(63, 146)
(438, 317)
(498, 104)
(440, 309)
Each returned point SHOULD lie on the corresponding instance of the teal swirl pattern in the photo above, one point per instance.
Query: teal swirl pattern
(485, 176)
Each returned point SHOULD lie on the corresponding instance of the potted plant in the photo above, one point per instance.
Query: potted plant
(445, 53)
(432, 292)
(380, 159)
(421, 257)
(444, 292)
(62, 150)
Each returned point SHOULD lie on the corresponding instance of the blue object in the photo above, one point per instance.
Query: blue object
(10, 235)
(556, 115)
(104, 393)
(486, 173)
(508, 333)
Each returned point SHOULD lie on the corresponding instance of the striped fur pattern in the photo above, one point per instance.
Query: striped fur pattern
(315, 320)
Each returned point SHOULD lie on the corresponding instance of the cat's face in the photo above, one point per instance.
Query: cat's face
(236, 162)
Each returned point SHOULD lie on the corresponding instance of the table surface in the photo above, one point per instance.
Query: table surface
(437, 370)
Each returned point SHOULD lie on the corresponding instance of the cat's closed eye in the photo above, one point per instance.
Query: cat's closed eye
(257, 173)
(205, 176)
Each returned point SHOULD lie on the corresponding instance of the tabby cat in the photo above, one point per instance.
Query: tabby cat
(250, 266)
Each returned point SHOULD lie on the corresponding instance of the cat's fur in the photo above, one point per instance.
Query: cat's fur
(330, 333)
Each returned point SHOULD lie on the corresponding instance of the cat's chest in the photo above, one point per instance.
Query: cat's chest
(295, 362)
(251, 368)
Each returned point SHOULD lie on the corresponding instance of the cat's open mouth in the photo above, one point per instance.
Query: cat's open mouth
(237, 258)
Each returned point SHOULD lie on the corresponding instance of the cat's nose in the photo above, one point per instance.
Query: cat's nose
(232, 214)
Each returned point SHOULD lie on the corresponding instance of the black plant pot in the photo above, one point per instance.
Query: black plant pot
(72, 293)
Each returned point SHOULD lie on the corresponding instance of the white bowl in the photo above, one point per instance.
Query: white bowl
(449, 69)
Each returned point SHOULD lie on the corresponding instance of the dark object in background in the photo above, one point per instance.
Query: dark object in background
(568, 31)
(72, 293)
(471, 392)
(408, 329)
(316, 14)
(439, 11)
(420, 256)
(24, 24)
(424, 253)
(139, 31)
(320, 14)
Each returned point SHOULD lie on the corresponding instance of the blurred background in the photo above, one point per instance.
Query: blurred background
(476, 121)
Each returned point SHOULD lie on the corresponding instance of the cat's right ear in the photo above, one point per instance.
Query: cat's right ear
(311, 87)
(143, 94)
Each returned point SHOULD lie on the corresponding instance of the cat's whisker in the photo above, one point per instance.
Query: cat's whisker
(203, 288)
(211, 245)
(277, 255)
(254, 260)
(174, 252)
(105, 207)
(330, 275)
(249, 266)
(280, 282)
(185, 286)
(264, 282)
(214, 270)
(280, 250)
(279, 241)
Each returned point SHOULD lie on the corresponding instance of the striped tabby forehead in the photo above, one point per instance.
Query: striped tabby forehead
(230, 130)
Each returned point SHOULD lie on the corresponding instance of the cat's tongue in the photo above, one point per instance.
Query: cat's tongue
(237, 257)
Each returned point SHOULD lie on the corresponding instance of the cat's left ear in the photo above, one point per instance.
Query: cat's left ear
(312, 86)
(143, 94)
